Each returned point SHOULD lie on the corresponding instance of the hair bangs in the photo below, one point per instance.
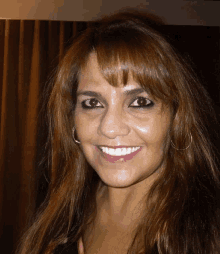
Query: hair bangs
(120, 61)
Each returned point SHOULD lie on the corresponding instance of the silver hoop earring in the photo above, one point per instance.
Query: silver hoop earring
(75, 140)
(182, 148)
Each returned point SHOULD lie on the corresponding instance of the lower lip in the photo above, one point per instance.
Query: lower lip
(123, 158)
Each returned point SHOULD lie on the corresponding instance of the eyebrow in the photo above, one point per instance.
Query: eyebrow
(99, 95)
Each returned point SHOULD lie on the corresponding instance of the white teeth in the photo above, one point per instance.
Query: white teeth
(123, 151)
(119, 151)
(111, 151)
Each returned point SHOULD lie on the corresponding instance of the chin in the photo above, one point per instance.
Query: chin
(120, 180)
(118, 184)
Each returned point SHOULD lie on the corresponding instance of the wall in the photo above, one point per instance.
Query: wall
(177, 12)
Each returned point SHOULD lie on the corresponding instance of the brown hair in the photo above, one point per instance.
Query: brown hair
(181, 208)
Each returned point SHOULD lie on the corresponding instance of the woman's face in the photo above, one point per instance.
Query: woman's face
(121, 129)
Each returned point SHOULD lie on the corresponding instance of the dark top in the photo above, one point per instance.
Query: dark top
(68, 248)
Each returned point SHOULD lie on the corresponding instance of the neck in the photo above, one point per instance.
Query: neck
(124, 206)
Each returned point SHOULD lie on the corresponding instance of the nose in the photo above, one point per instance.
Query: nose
(113, 124)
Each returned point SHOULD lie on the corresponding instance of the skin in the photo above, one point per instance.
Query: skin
(115, 121)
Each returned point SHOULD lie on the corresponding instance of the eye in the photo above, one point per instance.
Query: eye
(141, 102)
(91, 104)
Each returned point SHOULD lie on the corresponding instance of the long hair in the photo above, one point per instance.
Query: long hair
(181, 207)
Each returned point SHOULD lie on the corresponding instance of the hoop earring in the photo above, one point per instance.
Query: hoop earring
(182, 148)
(75, 140)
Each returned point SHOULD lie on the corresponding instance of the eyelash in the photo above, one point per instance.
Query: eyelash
(150, 104)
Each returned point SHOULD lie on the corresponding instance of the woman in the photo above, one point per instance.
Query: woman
(133, 168)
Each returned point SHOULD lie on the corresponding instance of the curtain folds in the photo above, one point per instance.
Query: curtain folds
(29, 52)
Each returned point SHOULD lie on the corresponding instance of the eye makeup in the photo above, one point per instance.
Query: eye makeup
(96, 100)
(141, 102)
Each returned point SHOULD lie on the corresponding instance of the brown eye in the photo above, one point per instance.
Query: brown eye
(91, 104)
(142, 102)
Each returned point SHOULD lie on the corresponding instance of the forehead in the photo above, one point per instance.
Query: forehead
(91, 70)
(91, 76)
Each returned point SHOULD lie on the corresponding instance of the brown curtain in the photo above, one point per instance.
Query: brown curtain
(29, 52)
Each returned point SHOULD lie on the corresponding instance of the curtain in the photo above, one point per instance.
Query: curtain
(29, 52)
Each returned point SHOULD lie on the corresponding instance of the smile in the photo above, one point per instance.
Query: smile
(119, 151)
(118, 154)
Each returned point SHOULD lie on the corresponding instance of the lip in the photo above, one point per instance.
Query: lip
(114, 159)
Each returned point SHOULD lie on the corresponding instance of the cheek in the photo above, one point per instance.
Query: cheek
(161, 126)
(158, 134)
(85, 127)
(154, 131)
